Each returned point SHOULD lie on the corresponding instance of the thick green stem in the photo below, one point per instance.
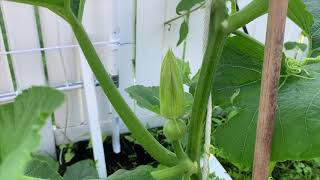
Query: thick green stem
(185, 167)
(150, 144)
(212, 56)
(253, 10)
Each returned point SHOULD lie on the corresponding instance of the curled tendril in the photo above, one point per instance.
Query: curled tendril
(296, 68)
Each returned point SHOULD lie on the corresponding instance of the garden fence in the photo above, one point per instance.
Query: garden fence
(39, 48)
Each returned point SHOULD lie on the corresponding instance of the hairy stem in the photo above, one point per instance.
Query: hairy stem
(253, 10)
(212, 56)
(179, 150)
(185, 167)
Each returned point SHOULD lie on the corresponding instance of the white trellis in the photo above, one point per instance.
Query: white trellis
(123, 32)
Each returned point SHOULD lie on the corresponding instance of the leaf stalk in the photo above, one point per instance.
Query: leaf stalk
(217, 37)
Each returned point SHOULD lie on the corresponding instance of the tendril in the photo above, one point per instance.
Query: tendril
(296, 68)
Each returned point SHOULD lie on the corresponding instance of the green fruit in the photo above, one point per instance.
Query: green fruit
(174, 129)
(171, 88)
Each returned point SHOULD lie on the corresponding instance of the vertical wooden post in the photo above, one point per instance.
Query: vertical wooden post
(269, 87)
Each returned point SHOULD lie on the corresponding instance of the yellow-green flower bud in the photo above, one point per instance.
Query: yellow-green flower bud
(171, 88)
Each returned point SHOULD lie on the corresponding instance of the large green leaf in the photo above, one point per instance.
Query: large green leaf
(82, 170)
(297, 127)
(141, 173)
(20, 123)
(43, 167)
(148, 98)
(306, 14)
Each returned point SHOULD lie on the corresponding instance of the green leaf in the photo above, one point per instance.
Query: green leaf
(292, 45)
(20, 123)
(302, 46)
(186, 5)
(184, 30)
(76, 7)
(82, 170)
(148, 98)
(314, 7)
(305, 13)
(54, 5)
(141, 173)
(68, 156)
(43, 167)
(185, 70)
(60, 7)
(297, 127)
(298, 12)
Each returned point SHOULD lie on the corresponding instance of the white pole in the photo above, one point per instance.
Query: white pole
(207, 141)
(92, 107)
(112, 66)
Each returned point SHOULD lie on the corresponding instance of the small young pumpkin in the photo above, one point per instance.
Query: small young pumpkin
(174, 129)
(171, 88)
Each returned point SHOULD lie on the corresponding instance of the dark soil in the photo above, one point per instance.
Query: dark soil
(131, 155)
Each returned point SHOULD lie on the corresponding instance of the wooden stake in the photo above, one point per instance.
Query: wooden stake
(269, 87)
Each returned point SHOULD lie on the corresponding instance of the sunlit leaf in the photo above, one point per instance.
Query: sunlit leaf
(297, 128)
(20, 123)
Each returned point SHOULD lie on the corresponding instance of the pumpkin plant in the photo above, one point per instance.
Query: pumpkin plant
(231, 70)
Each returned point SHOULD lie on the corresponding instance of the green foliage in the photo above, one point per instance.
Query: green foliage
(20, 123)
(77, 7)
(184, 30)
(69, 154)
(298, 13)
(185, 70)
(141, 173)
(296, 124)
(314, 7)
(295, 45)
(43, 167)
(148, 98)
(296, 170)
(60, 7)
(81, 171)
(186, 5)
(305, 13)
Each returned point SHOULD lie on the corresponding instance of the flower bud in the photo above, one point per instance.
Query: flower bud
(171, 88)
